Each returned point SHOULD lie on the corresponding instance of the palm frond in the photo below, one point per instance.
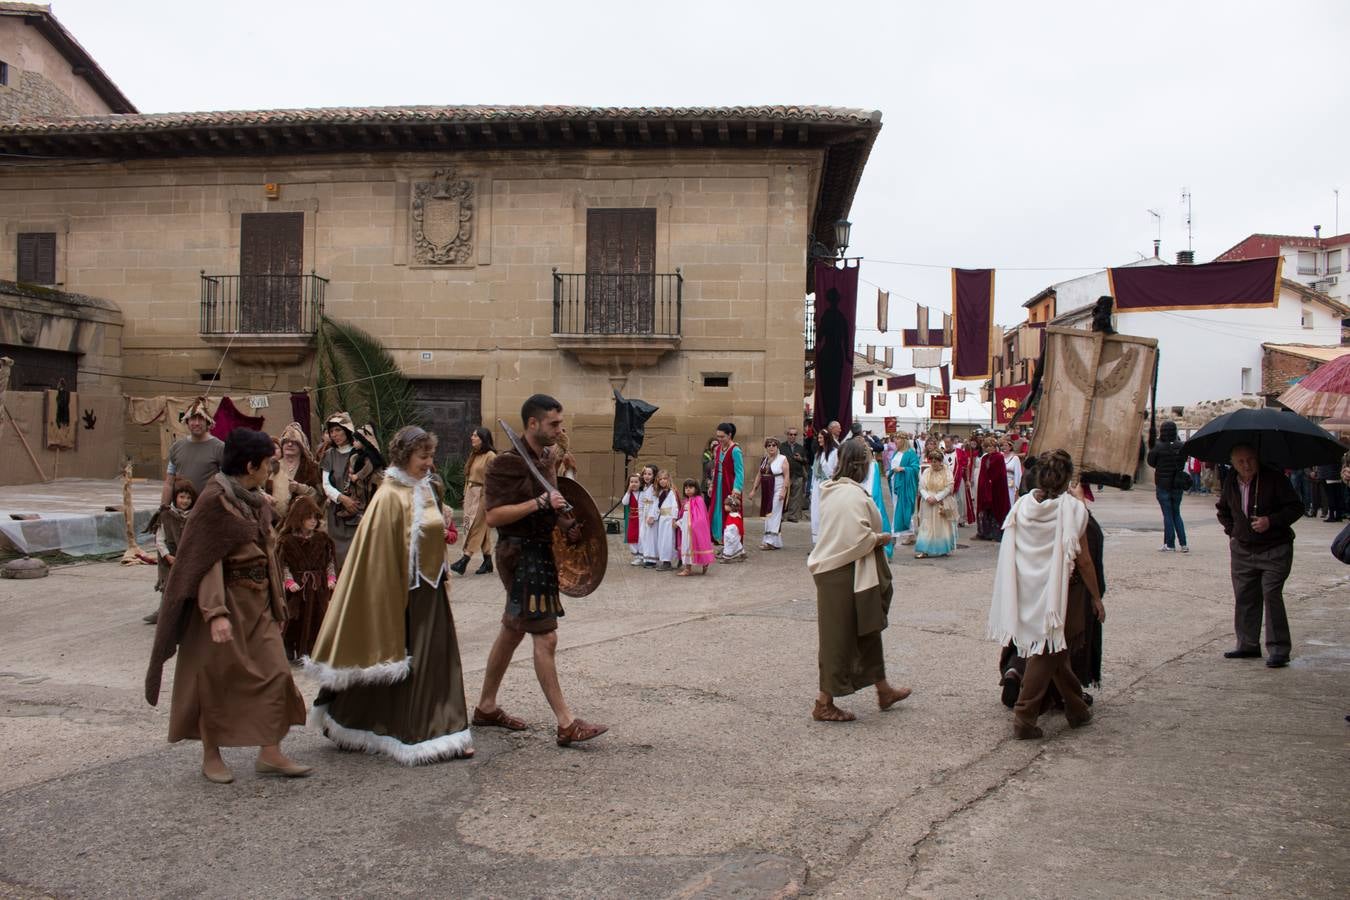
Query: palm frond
(452, 476)
(359, 375)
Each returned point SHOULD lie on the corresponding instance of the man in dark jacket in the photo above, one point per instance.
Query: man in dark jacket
(1330, 476)
(1256, 508)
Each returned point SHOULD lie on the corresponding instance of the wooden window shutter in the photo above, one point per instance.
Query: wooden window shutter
(37, 257)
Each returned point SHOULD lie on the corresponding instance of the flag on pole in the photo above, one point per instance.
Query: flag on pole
(883, 310)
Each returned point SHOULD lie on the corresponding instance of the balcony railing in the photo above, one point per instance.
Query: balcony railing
(637, 304)
(262, 304)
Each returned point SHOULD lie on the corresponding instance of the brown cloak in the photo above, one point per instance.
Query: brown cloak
(212, 531)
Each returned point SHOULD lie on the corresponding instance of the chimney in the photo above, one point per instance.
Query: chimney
(1317, 231)
(1157, 245)
(1185, 257)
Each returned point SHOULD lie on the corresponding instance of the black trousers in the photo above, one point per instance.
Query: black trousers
(1258, 585)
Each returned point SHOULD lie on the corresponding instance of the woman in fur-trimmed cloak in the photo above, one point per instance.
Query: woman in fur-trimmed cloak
(387, 657)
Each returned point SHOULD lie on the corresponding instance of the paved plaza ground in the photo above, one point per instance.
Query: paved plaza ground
(1198, 776)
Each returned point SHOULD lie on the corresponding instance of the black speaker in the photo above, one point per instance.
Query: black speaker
(630, 420)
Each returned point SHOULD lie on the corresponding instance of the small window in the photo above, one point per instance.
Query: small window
(1333, 262)
(37, 257)
(1307, 262)
(1246, 381)
(4, 73)
(716, 381)
(208, 376)
(1307, 316)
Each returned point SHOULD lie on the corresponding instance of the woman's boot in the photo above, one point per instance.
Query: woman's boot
(485, 568)
(459, 567)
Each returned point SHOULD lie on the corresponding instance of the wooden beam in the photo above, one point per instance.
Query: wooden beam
(513, 129)
(315, 136)
(265, 138)
(288, 135)
(644, 132)
(462, 133)
(672, 134)
(620, 133)
(441, 136)
(242, 138)
(594, 130)
(489, 132)
(750, 132)
(697, 129)
(388, 135)
(801, 133)
(723, 132)
(541, 132)
(409, 136)
(778, 132)
(567, 132)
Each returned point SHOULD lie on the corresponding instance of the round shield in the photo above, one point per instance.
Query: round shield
(581, 565)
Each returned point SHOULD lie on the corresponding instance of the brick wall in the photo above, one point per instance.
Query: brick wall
(1279, 369)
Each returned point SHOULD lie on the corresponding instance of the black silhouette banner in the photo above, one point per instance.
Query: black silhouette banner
(836, 314)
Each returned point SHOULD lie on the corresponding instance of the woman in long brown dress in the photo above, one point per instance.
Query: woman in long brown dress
(853, 589)
(387, 657)
(481, 454)
(222, 607)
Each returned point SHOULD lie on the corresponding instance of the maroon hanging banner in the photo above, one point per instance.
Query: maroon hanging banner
(836, 313)
(946, 374)
(972, 322)
(900, 382)
(1242, 284)
(868, 388)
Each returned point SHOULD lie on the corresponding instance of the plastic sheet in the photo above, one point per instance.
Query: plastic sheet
(74, 534)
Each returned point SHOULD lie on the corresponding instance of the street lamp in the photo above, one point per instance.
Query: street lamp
(817, 248)
(841, 231)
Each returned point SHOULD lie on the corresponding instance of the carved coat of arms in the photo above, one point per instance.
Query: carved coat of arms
(442, 220)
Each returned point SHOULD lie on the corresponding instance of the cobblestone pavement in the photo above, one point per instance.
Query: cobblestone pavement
(1198, 776)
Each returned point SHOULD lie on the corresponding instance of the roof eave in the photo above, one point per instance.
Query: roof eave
(81, 63)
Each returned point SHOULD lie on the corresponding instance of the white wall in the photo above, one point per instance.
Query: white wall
(1203, 353)
(1339, 291)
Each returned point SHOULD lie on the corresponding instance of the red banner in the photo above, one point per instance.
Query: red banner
(942, 408)
(892, 425)
(900, 382)
(972, 322)
(836, 310)
(1243, 284)
(1006, 401)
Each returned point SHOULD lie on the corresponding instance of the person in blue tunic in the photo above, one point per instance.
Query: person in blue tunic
(878, 495)
(904, 485)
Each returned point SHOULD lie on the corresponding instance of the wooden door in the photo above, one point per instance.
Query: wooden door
(271, 250)
(620, 270)
(452, 409)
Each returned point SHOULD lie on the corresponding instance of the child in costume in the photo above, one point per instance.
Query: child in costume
(647, 519)
(631, 517)
(733, 527)
(694, 533)
(667, 511)
(309, 572)
(167, 525)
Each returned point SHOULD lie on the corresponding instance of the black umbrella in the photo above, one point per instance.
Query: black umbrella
(1282, 439)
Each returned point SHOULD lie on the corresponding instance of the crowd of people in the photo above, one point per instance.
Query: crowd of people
(272, 558)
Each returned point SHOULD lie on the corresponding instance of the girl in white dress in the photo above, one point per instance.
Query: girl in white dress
(647, 518)
(667, 511)
(822, 470)
(773, 482)
(1013, 462)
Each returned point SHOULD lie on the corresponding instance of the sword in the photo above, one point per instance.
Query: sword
(529, 463)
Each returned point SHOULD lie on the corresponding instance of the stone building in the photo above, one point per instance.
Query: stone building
(45, 72)
(496, 251)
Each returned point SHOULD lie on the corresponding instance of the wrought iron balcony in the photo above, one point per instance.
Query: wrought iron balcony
(262, 318)
(632, 318)
(262, 304)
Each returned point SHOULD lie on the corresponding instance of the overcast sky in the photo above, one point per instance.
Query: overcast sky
(1033, 135)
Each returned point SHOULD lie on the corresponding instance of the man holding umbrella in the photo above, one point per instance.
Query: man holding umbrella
(1256, 508)
(1257, 505)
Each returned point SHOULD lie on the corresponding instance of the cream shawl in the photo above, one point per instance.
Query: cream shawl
(399, 544)
(849, 526)
(1031, 582)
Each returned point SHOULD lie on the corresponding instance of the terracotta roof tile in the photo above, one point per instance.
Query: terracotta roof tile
(430, 115)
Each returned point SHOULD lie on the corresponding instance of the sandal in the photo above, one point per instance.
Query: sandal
(828, 712)
(683, 572)
(579, 731)
(498, 718)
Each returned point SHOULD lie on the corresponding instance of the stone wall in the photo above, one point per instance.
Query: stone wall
(1279, 371)
(41, 80)
(734, 223)
(91, 329)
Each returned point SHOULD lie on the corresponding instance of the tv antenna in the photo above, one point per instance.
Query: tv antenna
(1157, 241)
(1186, 201)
